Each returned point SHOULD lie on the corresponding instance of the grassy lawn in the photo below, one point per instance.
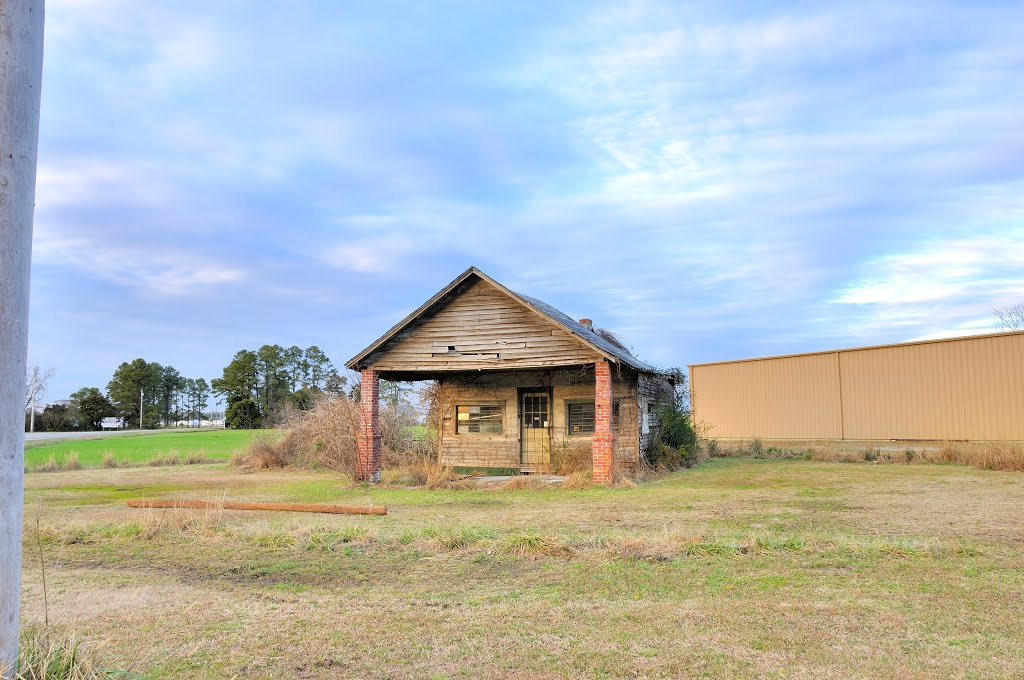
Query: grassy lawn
(739, 569)
(215, 444)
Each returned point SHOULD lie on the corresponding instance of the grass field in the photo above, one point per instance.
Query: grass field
(215, 444)
(737, 568)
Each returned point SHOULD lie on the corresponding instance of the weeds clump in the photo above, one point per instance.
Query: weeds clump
(109, 461)
(528, 544)
(453, 539)
(161, 459)
(44, 656)
(263, 454)
(435, 475)
(571, 456)
(195, 457)
(328, 539)
(523, 482)
(578, 481)
(72, 461)
(50, 465)
(182, 521)
(1005, 456)
(269, 539)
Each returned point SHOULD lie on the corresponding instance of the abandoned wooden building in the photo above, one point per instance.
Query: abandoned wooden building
(517, 379)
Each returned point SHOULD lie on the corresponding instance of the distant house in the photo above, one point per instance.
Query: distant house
(517, 378)
(112, 423)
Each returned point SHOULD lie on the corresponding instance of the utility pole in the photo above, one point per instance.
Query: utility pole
(141, 392)
(21, 70)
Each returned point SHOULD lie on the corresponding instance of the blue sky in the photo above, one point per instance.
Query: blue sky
(710, 180)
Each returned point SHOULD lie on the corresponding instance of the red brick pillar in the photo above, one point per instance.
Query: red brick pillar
(602, 441)
(368, 436)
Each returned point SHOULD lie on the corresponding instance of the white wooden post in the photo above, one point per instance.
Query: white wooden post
(21, 66)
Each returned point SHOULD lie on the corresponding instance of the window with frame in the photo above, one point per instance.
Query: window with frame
(579, 417)
(480, 419)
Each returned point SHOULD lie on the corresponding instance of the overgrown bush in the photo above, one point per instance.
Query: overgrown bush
(678, 443)
(326, 437)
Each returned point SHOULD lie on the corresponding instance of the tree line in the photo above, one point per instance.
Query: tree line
(161, 395)
(261, 388)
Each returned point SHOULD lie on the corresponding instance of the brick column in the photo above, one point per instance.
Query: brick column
(368, 436)
(602, 441)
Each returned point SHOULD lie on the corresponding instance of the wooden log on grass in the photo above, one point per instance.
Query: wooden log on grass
(241, 505)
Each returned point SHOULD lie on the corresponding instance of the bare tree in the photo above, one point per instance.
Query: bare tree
(36, 388)
(21, 67)
(1011, 317)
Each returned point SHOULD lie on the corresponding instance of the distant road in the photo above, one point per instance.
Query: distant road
(57, 436)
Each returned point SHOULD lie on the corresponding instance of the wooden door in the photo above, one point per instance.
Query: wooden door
(535, 430)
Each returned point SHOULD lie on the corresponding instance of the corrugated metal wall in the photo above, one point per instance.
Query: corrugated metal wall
(962, 388)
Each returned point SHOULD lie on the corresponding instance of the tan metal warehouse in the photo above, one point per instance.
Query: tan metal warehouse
(952, 389)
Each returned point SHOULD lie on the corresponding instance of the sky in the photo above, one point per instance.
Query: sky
(710, 180)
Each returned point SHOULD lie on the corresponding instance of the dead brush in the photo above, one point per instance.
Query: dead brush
(197, 457)
(641, 549)
(1005, 456)
(578, 481)
(524, 482)
(51, 465)
(263, 454)
(71, 461)
(570, 456)
(437, 476)
(529, 544)
(161, 459)
(109, 461)
(45, 656)
(183, 521)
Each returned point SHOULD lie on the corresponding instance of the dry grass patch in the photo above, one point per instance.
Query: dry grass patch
(530, 544)
(160, 459)
(433, 475)
(571, 456)
(50, 465)
(197, 457)
(526, 482)
(177, 521)
(1007, 456)
(46, 655)
(764, 567)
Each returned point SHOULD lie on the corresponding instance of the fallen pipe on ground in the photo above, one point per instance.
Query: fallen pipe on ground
(241, 505)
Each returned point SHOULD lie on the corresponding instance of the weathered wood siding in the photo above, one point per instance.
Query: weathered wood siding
(488, 330)
(469, 449)
(651, 392)
(502, 451)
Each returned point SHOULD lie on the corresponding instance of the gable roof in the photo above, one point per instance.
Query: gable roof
(585, 334)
